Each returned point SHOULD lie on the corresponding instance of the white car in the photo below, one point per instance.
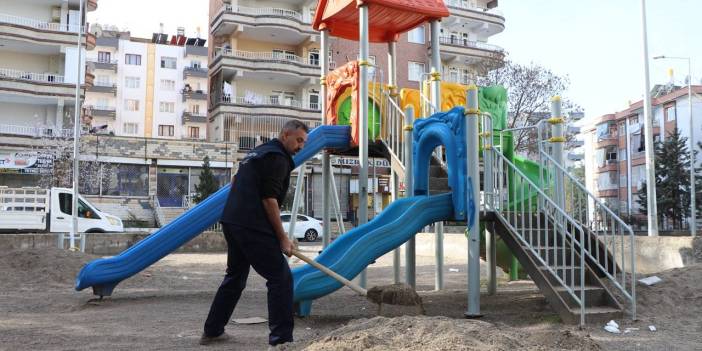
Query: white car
(306, 228)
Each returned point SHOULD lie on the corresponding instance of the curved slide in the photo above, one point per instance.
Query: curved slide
(104, 274)
(352, 252)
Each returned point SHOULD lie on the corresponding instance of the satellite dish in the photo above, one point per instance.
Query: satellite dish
(96, 29)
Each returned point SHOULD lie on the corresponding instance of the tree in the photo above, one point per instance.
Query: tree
(208, 183)
(530, 89)
(672, 181)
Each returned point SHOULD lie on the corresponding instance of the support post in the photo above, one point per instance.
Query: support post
(436, 101)
(392, 86)
(471, 120)
(410, 247)
(557, 140)
(652, 208)
(326, 164)
(488, 191)
(363, 123)
(76, 133)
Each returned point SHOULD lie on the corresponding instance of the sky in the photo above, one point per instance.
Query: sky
(596, 43)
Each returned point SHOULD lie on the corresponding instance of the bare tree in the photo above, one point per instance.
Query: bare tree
(530, 89)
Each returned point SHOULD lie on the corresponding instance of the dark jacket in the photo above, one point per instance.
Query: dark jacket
(244, 206)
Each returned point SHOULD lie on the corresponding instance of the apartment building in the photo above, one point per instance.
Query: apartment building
(38, 72)
(615, 146)
(153, 88)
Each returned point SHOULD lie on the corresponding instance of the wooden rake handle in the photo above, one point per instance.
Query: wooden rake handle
(355, 287)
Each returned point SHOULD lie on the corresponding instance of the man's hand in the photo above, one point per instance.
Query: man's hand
(287, 245)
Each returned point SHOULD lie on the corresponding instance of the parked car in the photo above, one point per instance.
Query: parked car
(306, 228)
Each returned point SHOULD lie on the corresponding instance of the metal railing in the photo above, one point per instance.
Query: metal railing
(392, 122)
(31, 76)
(104, 84)
(249, 131)
(158, 212)
(455, 41)
(268, 101)
(37, 24)
(541, 226)
(266, 11)
(105, 61)
(265, 56)
(37, 132)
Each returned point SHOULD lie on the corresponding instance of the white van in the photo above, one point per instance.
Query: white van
(35, 209)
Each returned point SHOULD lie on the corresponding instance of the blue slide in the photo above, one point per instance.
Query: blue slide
(352, 252)
(104, 274)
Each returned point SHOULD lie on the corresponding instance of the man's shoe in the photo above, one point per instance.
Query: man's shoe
(206, 340)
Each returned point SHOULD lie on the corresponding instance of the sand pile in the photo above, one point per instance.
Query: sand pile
(442, 333)
(41, 266)
(679, 295)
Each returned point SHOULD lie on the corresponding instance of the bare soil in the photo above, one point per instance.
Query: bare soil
(164, 307)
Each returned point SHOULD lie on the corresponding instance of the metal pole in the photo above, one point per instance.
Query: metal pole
(648, 131)
(473, 172)
(296, 201)
(693, 200)
(76, 133)
(326, 163)
(363, 124)
(488, 188)
(392, 86)
(629, 199)
(410, 247)
(557, 140)
(436, 100)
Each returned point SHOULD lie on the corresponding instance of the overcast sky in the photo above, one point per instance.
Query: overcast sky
(597, 43)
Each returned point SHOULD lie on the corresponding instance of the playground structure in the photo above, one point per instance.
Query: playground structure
(565, 239)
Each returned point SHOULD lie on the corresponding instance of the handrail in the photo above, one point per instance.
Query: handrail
(30, 22)
(264, 55)
(31, 76)
(267, 11)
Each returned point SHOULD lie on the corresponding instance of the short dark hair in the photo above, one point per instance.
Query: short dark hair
(294, 124)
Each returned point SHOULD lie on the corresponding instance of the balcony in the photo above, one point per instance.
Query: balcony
(41, 32)
(189, 117)
(232, 18)
(195, 50)
(109, 65)
(486, 22)
(453, 48)
(35, 132)
(197, 72)
(249, 131)
(266, 106)
(104, 87)
(31, 84)
(101, 111)
(271, 62)
(194, 95)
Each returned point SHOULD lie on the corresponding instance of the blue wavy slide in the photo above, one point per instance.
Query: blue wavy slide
(104, 274)
(352, 252)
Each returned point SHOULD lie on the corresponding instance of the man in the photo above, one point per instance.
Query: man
(255, 236)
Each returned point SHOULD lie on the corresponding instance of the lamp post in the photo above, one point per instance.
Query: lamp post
(693, 205)
(76, 134)
(648, 136)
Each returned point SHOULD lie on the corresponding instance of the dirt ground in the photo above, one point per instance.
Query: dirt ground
(164, 307)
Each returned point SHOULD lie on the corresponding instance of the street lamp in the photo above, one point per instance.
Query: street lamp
(648, 136)
(76, 134)
(693, 219)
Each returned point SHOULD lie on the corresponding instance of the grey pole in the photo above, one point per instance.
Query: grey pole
(436, 100)
(392, 86)
(296, 201)
(76, 134)
(648, 131)
(557, 140)
(410, 247)
(363, 124)
(629, 199)
(472, 115)
(326, 164)
(693, 200)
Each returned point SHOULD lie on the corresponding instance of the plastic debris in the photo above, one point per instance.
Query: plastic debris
(652, 328)
(185, 278)
(629, 330)
(454, 270)
(612, 327)
(250, 320)
(652, 280)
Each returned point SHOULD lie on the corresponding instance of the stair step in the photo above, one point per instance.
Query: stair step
(597, 314)
(569, 274)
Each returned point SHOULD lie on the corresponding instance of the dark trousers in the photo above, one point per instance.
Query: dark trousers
(250, 248)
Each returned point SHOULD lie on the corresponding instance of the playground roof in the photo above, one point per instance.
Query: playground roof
(387, 18)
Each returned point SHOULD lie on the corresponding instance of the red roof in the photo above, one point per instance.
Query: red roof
(387, 18)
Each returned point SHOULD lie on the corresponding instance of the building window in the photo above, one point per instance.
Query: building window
(416, 35)
(167, 84)
(314, 100)
(194, 132)
(165, 130)
(126, 180)
(195, 109)
(132, 82)
(102, 103)
(314, 57)
(132, 59)
(465, 76)
(103, 81)
(416, 69)
(195, 64)
(453, 74)
(670, 113)
(168, 62)
(131, 105)
(130, 128)
(104, 57)
(168, 107)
